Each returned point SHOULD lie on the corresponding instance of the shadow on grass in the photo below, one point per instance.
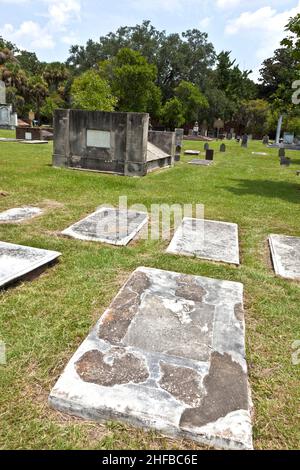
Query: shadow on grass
(271, 189)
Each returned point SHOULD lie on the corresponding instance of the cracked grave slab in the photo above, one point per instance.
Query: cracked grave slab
(109, 225)
(285, 251)
(157, 359)
(206, 239)
(16, 261)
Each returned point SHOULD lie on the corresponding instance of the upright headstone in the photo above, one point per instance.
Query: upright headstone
(281, 152)
(209, 154)
(2, 93)
(178, 143)
(223, 148)
(266, 140)
(206, 146)
(245, 141)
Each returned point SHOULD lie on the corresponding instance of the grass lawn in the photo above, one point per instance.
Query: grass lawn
(43, 321)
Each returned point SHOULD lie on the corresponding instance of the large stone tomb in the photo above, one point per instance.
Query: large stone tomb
(17, 261)
(109, 225)
(168, 354)
(206, 239)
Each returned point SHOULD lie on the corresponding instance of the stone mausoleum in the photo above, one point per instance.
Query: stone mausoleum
(8, 119)
(119, 143)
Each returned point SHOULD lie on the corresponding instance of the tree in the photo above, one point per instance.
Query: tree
(51, 103)
(132, 81)
(54, 74)
(173, 113)
(252, 117)
(92, 92)
(37, 93)
(192, 100)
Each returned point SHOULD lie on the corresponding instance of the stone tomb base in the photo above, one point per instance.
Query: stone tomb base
(200, 162)
(168, 354)
(19, 214)
(108, 225)
(18, 261)
(286, 256)
(206, 239)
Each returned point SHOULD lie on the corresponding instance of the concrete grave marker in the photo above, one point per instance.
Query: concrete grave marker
(206, 239)
(201, 162)
(286, 256)
(108, 225)
(168, 354)
(16, 261)
(222, 148)
(19, 214)
(191, 152)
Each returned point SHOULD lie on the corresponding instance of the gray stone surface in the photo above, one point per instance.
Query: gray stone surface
(19, 214)
(207, 239)
(2, 93)
(201, 162)
(109, 225)
(285, 252)
(16, 261)
(168, 354)
(260, 153)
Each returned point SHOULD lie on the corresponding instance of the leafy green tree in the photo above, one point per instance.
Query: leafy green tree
(252, 117)
(54, 74)
(191, 99)
(132, 81)
(29, 62)
(51, 103)
(37, 93)
(173, 113)
(15, 99)
(92, 92)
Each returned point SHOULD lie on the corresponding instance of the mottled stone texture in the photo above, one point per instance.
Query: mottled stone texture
(108, 225)
(206, 239)
(163, 140)
(17, 261)
(127, 154)
(168, 354)
(286, 256)
(19, 214)
(199, 162)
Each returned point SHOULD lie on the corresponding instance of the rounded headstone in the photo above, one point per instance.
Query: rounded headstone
(281, 152)
(223, 148)
(206, 146)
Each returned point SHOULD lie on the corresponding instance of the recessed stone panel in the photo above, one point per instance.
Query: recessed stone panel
(108, 225)
(19, 214)
(168, 354)
(206, 239)
(17, 261)
(286, 256)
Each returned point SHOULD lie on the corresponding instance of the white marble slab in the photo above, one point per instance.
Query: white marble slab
(16, 261)
(285, 252)
(207, 239)
(19, 214)
(108, 225)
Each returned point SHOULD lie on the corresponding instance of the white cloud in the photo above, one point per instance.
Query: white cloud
(34, 35)
(228, 3)
(205, 22)
(266, 23)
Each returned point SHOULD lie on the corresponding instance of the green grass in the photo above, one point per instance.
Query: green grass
(43, 321)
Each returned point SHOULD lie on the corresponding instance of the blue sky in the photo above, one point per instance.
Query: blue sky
(250, 29)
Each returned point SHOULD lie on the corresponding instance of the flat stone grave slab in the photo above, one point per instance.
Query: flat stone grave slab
(285, 252)
(109, 225)
(260, 153)
(16, 261)
(201, 162)
(168, 354)
(206, 239)
(19, 214)
(191, 152)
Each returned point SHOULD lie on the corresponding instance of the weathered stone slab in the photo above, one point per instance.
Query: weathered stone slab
(109, 225)
(19, 214)
(168, 354)
(207, 239)
(286, 256)
(201, 162)
(16, 261)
